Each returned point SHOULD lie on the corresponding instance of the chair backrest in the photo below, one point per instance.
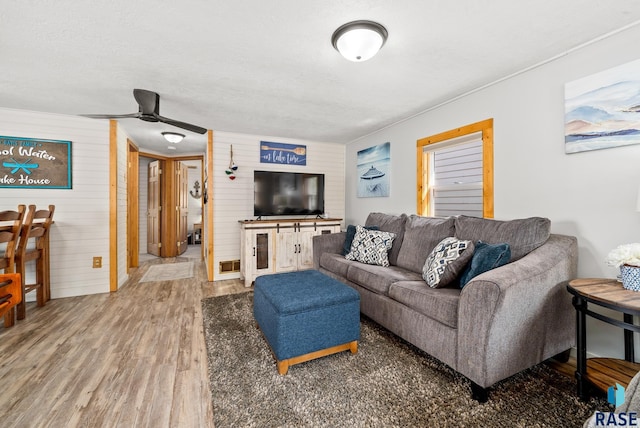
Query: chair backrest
(10, 225)
(36, 225)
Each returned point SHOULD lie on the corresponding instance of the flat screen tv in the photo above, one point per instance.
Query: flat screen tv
(287, 193)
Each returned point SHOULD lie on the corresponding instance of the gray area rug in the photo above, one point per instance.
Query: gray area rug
(388, 383)
(168, 272)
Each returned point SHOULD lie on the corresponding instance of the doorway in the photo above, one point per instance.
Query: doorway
(165, 183)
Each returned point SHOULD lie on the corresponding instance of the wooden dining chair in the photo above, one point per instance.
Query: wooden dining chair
(10, 294)
(34, 246)
(10, 224)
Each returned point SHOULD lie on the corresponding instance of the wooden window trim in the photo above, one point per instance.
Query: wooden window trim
(423, 161)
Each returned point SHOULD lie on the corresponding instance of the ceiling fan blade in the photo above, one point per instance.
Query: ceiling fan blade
(183, 125)
(148, 101)
(112, 116)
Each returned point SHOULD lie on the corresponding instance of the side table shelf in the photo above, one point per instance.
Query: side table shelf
(605, 372)
(607, 293)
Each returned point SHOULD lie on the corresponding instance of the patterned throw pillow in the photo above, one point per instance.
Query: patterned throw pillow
(348, 239)
(371, 246)
(446, 261)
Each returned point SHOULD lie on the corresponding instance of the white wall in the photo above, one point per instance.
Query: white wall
(194, 204)
(81, 218)
(591, 195)
(234, 199)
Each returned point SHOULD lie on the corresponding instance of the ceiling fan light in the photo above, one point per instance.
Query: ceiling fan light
(173, 137)
(359, 40)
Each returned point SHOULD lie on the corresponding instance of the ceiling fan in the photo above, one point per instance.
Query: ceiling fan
(149, 110)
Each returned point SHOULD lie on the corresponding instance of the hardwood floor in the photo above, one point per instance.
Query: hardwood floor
(135, 358)
(132, 358)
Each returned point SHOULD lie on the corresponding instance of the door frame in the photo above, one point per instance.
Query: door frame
(133, 206)
(168, 218)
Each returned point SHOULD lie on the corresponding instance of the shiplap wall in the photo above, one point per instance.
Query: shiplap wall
(81, 218)
(234, 198)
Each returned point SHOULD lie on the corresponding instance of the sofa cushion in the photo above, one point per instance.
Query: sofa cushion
(447, 261)
(393, 224)
(377, 278)
(371, 246)
(485, 257)
(440, 304)
(421, 235)
(335, 263)
(348, 239)
(522, 235)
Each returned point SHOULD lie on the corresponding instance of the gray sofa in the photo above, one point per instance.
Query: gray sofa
(503, 321)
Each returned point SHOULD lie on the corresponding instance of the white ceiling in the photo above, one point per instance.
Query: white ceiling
(268, 67)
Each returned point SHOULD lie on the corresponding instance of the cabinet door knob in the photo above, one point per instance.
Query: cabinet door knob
(254, 251)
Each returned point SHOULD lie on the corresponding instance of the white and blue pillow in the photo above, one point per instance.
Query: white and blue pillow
(371, 246)
(446, 261)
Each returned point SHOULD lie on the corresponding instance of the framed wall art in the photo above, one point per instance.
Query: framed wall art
(35, 163)
(373, 171)
(603, 110)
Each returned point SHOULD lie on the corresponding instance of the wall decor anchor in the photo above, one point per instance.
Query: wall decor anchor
(197, 193)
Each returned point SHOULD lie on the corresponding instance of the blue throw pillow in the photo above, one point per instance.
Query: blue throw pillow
(348, 240)
(485, 257)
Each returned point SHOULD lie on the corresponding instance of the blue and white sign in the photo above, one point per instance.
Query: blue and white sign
(287, 154)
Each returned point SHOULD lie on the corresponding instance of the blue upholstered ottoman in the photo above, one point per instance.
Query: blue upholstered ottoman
(306, 315)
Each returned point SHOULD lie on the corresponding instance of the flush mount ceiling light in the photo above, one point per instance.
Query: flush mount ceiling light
(359, 40)
(173, 137)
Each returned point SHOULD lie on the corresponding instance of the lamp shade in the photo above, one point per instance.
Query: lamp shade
(173, 137)
(359, 40)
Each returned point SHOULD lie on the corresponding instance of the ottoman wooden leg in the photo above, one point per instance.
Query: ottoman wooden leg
(283, 367)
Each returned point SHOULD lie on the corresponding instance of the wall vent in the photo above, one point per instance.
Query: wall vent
(230, 266)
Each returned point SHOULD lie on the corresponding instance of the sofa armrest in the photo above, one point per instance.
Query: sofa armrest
(518, 315)
(327, 243)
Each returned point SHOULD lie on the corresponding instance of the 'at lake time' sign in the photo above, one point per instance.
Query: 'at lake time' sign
(35, 163)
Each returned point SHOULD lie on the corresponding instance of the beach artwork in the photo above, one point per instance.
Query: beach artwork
(373, 171)
(603, 110)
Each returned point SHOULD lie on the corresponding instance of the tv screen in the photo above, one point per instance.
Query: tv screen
(287, 193)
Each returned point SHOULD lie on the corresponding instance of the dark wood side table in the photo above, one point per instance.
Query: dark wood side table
(607, 293)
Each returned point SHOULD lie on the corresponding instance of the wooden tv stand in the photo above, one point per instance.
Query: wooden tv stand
(282, 245)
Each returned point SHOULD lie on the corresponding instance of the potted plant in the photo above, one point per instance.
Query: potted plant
(627, 258)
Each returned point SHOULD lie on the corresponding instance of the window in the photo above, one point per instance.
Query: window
(455, 172)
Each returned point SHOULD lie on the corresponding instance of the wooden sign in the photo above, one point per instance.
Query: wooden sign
(282, 153)
(35, 163)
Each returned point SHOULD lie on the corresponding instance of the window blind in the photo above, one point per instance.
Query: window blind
(457, 179)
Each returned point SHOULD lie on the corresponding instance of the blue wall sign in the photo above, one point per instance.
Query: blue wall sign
(288, 154)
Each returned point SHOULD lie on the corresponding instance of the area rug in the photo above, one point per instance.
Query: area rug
(388, 383)
(168, 272)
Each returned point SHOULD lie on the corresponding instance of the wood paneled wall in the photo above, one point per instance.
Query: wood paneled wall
(81, 228)
(233, 199)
